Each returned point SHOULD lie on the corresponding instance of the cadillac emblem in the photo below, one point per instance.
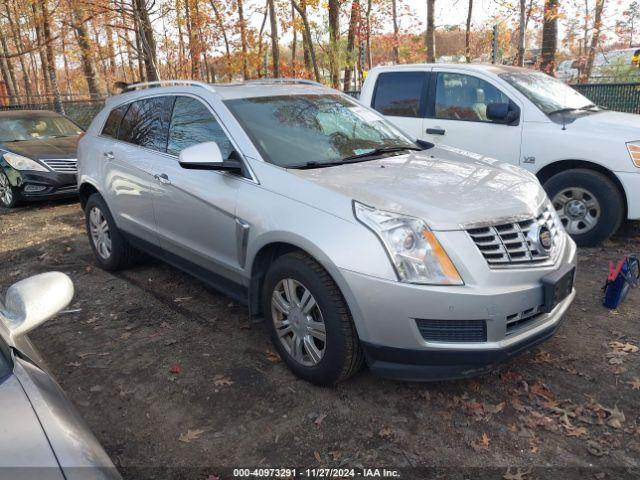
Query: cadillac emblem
(544, 238)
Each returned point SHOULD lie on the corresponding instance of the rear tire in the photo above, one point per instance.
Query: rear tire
(589, 204)
(111, 250)
(326, 362)
(8, 193)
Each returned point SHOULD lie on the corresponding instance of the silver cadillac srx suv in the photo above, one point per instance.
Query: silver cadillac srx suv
(352, 241)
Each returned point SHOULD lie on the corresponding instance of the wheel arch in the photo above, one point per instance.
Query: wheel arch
(554, 168)
(276, 246)
(85, 191)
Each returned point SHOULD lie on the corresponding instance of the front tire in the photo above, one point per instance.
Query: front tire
(309, 321)
(8, 194)
(111, 250)
(590, 205)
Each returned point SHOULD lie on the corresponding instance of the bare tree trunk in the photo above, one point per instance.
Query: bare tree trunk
(275, 50)
(334, 38)
(549, 37)
(467, 35)
(139, 52)
(431, 31)
(305, 46)
(368, 21)
(307, 39)
(51, 60)
(260, 37)
(351, 37)
(585, 39)
(396, 30)
(147, 41)
(194, 55)
(294, 41)
(595, 38)
(222, 28)
(522, 34)
(243, 40)
(43, 59)
(86, 55)
(18, 44)
(7, 70)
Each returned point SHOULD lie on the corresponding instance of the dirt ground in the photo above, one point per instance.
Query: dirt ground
(176, 381)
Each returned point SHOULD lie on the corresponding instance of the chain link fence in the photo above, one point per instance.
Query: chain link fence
(79, 108)
(622, 97)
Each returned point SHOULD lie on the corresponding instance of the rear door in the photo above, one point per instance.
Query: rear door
(196, 209)
(129, 180)
(458, 116)
(401, 97)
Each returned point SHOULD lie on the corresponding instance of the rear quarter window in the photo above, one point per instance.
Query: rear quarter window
(400, 94)
(114, 119)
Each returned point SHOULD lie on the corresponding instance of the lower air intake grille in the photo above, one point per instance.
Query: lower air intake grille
(453, 331)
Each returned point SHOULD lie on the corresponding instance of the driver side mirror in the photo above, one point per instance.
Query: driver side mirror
(32, 301)
(207, 156)
(502, 113)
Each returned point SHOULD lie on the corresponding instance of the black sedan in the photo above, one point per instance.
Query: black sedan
(37, 156)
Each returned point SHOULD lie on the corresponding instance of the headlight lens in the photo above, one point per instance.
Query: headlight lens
(634, 151)
(23, 163)
(414, 250)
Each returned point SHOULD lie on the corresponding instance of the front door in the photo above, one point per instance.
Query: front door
(459, 117)
(195, 209)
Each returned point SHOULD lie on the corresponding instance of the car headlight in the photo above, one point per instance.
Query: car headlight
(634, 152)
(413, 249)
(23, 163)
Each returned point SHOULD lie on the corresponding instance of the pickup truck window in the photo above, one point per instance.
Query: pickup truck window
(400, 94)
(465, 97)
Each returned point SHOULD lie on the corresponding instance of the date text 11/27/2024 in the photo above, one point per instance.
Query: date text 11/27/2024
(315, 473)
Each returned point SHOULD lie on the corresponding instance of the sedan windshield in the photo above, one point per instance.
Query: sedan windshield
(34, 128)
(547, 93)
(315, 130)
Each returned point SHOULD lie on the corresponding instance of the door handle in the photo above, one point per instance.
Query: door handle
(435, 131)
(108, 155)
(162, 178)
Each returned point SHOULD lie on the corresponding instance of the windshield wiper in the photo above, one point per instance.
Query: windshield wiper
(589, 106)
(562, 110)
(376, 152)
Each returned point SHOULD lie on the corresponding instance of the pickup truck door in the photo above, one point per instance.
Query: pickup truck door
(401, 98)
(457, 116)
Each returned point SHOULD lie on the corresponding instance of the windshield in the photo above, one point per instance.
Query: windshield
(547, 93)
(34, 128)
(315, 129)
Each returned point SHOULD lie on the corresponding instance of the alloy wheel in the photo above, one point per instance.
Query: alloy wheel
(6, 193)
(298, 322)
(100, 234)
(578, 209)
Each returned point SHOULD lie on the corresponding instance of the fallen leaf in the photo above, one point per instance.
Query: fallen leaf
(317, 456)
(485, 440)
(385, 432)
(272, 356)
(616, 419)
(494, 408)
(222, 381)
(635, 384)
(319, 419)
(541, 390)
(191, 435)
(517, 475)
(176, 369)
(595, 449)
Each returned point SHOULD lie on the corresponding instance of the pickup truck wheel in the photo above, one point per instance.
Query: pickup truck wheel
(309, 321)
(110, 248)
(588, 203)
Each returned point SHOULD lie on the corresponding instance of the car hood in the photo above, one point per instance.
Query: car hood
(448, 188)
(615, 125)
(38, 149)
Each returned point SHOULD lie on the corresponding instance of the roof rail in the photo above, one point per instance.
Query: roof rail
(285, 80)
(166, 83)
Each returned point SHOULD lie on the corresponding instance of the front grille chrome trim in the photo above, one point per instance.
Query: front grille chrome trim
(62, 165)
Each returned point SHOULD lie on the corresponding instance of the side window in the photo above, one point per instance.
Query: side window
(464, 97)
(146, 123)
(112, 124)
(193, 123)
(400, 94)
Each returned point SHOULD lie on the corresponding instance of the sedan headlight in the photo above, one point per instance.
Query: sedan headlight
(23, 163)
(634, 151)
(413, 249)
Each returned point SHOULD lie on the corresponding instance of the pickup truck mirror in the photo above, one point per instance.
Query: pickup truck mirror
(501, 113)
(32, 301)
(207, 156)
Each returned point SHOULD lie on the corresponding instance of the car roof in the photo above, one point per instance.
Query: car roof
(471, 67)
(28, 113)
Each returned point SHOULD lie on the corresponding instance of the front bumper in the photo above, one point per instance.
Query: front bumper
(50, 184)
(388, 316)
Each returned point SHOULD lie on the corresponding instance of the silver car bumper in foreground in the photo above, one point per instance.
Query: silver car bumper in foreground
(422, 332)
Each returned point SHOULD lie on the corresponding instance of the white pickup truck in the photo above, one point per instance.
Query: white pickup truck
(587, 158)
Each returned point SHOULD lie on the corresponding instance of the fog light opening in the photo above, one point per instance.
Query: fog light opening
(34, 188)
